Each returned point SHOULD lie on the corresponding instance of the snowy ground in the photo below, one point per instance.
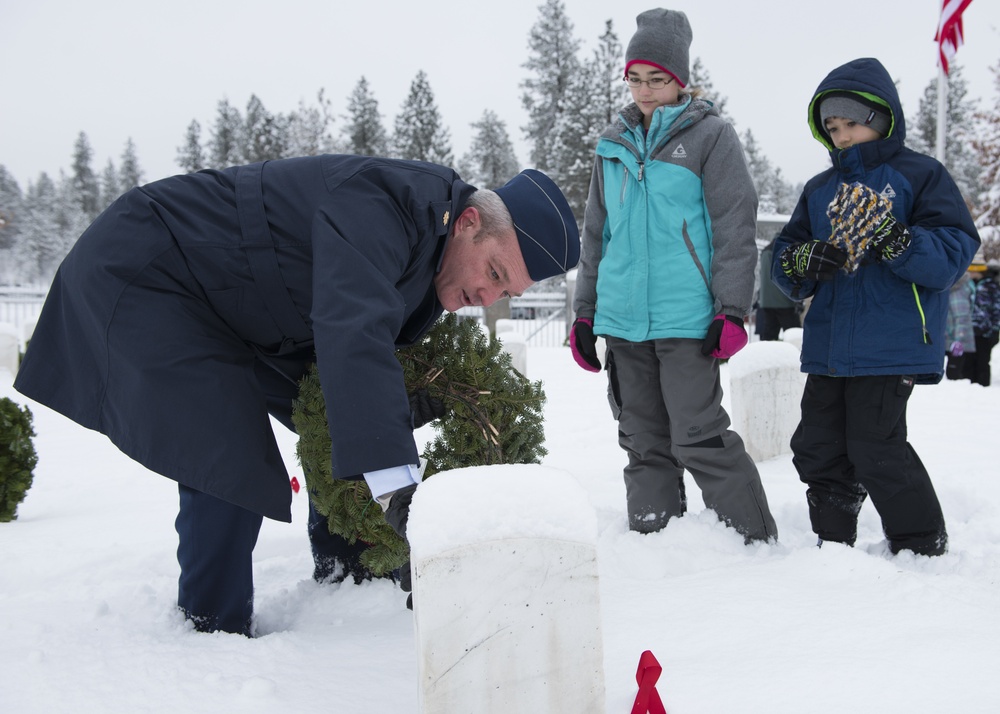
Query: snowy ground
(88, 585)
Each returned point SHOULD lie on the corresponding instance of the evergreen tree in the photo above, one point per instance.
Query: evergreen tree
(606, 69)
(419, 134)
(130, 174)
(490, 161)
(41, 246)
(363, 130)
(308, 129)
(264, 135)
(987, 148)
(545, 96)
(573, 137)
(225, 146)
(190, 156)
(700, 79)
(960, 158)
(111, 185)
(17, 457)
(71, 221)
(11, 209)
(86, 190)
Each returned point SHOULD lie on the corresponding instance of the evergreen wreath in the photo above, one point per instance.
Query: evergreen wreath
(17, 457)
(494, 417)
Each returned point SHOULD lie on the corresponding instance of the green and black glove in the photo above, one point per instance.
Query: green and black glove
(891, 240)
(812, 260)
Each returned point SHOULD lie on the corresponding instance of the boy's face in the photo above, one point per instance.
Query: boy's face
(847, 132)
(644, 96)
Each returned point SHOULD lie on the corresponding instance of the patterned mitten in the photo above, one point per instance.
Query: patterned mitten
(856, 213)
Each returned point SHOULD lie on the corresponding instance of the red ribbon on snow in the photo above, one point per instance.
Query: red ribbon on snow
(648, 699)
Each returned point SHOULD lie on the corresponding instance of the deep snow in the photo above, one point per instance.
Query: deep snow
(88, 587)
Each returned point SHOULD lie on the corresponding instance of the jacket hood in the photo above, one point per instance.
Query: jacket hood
(868, 78)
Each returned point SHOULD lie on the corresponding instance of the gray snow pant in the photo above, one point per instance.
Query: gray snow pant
(667, 399)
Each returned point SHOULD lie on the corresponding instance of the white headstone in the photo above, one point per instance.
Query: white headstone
(9, 347)
(765, 392)
(505, 592)
(516, 346)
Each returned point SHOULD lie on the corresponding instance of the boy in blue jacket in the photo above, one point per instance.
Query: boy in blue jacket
(876, 240)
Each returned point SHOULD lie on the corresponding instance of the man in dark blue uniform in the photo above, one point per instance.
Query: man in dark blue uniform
(187, 312)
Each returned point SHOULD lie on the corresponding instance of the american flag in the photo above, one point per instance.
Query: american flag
(949, 32)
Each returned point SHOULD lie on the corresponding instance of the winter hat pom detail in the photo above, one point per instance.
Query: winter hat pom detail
(662, 39)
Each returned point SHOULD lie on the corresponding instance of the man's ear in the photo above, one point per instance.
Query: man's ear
(469, 220)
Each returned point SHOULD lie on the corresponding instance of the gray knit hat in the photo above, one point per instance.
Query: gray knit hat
(855, 107)
(663, 39)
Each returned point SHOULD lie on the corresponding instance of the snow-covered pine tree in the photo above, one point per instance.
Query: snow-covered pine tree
(263, 133)
(960, 158)
(987, 147)
(553, 65)
(190, 156)
(494, 417)
(130, 173)
(490, 161)
(701, 79)
(308, 129)
(419, 134)
(363, 129)
(85, 187)
(17, 457)
(225, 145)
(40, 248)
(110, 184)
(606, 69)
(11, 202)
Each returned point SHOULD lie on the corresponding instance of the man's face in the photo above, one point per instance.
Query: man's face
(479, 272)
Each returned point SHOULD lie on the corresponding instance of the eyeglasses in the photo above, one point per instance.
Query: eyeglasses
(654, 83)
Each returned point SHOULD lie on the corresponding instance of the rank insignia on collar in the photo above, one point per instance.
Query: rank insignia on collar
(445, 217)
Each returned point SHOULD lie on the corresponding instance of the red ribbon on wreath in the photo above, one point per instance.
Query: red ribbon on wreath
(648, 699)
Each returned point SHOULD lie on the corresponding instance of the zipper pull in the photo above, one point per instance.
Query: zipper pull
(642, 168)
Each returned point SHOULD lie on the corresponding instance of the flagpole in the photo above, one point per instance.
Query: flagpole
(942, 114)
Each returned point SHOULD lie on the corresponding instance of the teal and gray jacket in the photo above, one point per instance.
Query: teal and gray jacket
(669, 232)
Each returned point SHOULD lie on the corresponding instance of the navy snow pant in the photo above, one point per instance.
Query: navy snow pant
(667, 398)
(851, 443)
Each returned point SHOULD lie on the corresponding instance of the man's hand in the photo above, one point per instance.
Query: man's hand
(813, 260)
(583, 344)
(425, 408)
(726, 336)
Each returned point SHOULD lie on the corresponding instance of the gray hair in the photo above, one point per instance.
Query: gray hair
(493, 214)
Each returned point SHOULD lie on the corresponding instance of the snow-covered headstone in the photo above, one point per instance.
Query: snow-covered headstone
(515, 344)
(505, 592)
(9, 345)
(765, 391)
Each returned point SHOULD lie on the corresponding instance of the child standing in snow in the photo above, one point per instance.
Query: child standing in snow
(985, 320)
(876, 240)
(667, 276)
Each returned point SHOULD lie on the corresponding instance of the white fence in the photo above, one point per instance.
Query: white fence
(540, 318)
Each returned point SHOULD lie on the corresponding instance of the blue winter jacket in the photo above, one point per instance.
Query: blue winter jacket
(887, 317)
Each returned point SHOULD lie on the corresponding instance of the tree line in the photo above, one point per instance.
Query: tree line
(569, 101)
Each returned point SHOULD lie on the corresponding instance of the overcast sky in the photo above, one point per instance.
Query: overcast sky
(117, 69)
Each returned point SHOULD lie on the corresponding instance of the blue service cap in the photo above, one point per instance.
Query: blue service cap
(545, 226)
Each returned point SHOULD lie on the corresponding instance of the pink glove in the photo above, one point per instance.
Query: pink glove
(957, 349)
(726, 336)
(583, 343)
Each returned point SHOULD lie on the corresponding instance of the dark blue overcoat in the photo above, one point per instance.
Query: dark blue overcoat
(187, 311)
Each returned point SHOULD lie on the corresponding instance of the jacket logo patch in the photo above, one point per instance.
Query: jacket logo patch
(679, 152)
(887, 192)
